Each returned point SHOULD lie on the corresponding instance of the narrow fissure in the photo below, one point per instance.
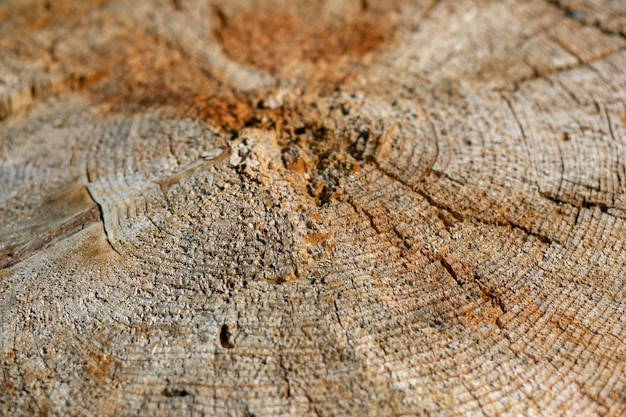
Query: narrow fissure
(451, 272)
(225, 337)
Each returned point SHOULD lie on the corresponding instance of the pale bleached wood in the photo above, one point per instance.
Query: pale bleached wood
(313, 208)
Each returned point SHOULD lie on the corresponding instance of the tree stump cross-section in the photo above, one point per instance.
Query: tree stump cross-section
(254, 208)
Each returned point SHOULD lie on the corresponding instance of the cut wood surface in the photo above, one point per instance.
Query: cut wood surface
(313, 208)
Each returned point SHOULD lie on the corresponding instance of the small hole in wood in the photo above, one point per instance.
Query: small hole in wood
(225, 337)
(576, 15)
(175, 392)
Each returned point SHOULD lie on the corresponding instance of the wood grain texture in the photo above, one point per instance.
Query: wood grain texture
(324, 208)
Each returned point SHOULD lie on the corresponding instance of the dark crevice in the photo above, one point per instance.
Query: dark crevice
(545, 73)
(594, 204)
(358, 210)
(442, 210)
(603, 207)
(451, 271)
(177, 4)
(489, 293)
(442, 214)
(371, 220)
(221, 16)
(554, 199)
(402, 242)
(175, 392)
(337, 315)
(577, 217)
(567, 89)
(403, 239)
(542, 238)
(579, 61)
(225, 337)
(376, 165)
(442, 174)
(460, 218)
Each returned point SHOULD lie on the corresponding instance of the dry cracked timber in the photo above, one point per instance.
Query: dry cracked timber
(313, 208)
